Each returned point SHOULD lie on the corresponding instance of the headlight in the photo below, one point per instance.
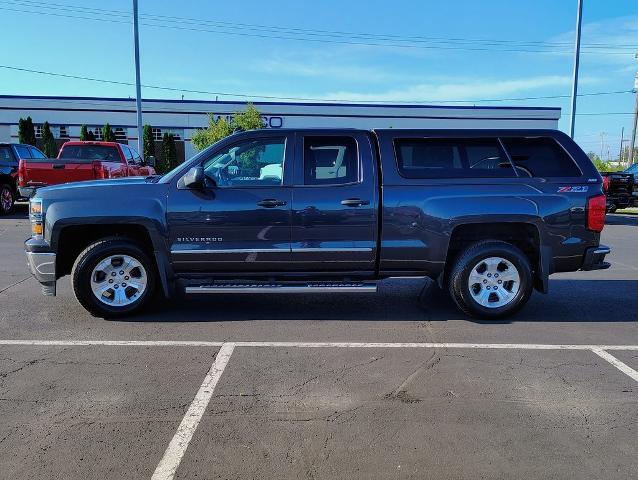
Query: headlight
(35, 215)
(35, 206)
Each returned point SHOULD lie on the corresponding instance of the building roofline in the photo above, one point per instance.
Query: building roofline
(309, 104)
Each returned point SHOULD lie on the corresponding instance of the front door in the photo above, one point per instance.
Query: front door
(335, 201)
(241, 221)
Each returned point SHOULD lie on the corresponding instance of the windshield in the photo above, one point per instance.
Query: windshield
(90, 153)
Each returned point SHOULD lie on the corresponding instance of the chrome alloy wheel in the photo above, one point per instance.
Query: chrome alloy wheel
(494, 282)
(6, 199)
(118, 280)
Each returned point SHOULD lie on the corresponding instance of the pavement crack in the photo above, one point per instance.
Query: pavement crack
(27, 364)
(400, 393)
(15, 284)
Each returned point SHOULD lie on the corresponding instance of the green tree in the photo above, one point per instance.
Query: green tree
(107, 133)
(49, 148)
(600, 164)
(217, 129)
(148, 141)
(84, 133)
(26, 131)
(169, 153)
(249, 119)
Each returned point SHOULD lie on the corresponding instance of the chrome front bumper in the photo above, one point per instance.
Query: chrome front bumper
(42, 266)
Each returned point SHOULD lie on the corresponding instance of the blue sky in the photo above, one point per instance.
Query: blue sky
(422, 51)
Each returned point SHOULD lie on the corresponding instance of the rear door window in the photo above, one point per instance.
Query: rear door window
(330, 160)
(451, 158)
(127, 153)
(136, 156)
(540, 157)
(35, 153)
(23, 152)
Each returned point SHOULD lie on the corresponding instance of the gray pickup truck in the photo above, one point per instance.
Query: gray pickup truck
(488, 214)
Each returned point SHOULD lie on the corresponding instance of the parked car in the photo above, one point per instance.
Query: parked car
(488, 214)
(621, 189)
(79, 161)
(10, 156)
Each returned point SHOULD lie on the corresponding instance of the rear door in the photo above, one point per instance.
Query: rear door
(335, 203)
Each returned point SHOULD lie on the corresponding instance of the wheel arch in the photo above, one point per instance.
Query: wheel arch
(70, 239)
(524, 235)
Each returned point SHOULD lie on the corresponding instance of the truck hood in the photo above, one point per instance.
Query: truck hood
(95, 188)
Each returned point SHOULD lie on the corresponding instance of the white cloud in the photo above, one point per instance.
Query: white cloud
(613, 40)
(465, 90)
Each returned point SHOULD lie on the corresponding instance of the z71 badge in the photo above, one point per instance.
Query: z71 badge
(573, 189)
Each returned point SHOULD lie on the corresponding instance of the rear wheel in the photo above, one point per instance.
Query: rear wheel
(491, 279)
(7, 198)
(113, 278)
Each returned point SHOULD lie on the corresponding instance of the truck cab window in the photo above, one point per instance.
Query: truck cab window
(451, 158)
(255, 162)
(330, 160)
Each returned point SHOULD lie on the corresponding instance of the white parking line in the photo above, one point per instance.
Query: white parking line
(188, 343)
(175, 451)
(624, 368)
(113, 343)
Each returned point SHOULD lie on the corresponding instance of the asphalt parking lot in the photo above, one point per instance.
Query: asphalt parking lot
(345, 386)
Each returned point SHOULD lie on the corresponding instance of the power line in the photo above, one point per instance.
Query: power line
(290, 36)
(273, 97)
(378, 36)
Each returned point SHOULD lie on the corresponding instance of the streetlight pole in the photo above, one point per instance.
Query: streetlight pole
(138, 86)
(579, 21)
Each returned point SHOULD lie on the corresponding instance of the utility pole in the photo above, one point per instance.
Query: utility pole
(579, 21)
(622, 140)
(632, 144)
(138, 86)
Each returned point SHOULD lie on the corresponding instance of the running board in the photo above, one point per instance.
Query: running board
(314, 287)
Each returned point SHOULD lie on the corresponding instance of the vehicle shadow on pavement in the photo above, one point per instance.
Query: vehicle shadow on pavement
(399, 300)
(20, 212)
(622, 219)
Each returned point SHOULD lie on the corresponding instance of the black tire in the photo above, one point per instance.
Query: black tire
(612, 208)
(7, 198)
(460, 289)
(91, 257)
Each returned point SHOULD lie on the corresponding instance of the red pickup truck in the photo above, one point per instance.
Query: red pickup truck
(79, 161)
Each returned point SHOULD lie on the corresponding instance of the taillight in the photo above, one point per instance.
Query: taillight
(606, 184)
(596, 207)
(98, 170)
(22, 174)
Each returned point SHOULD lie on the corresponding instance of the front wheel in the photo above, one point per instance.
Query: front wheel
(491, 279)
(113, 278)
(7, 199)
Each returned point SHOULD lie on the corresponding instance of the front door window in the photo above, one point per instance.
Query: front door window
(250, 163)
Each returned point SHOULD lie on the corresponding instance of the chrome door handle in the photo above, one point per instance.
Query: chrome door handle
(271, 203)
(354, 202)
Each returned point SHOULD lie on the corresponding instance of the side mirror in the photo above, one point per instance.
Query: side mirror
(194, 178)
(150, 161)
